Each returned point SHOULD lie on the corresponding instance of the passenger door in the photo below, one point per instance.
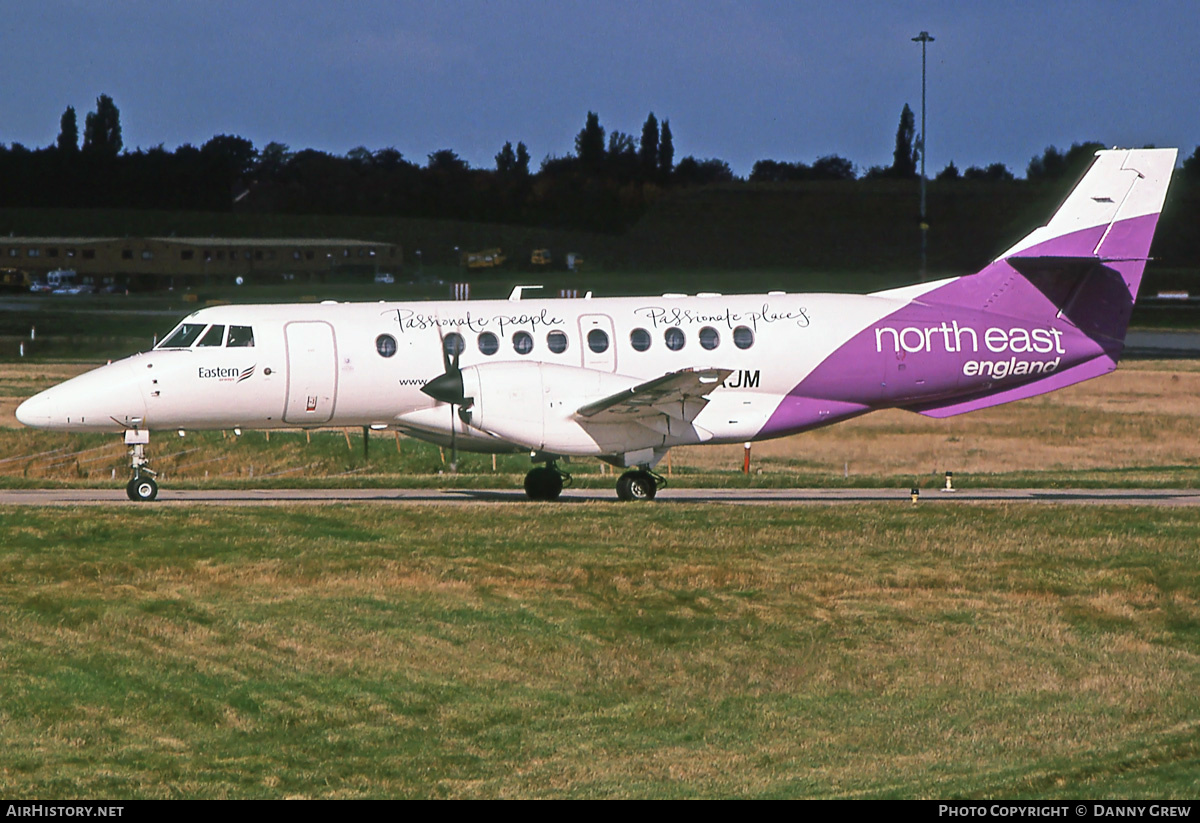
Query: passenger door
(312, 373)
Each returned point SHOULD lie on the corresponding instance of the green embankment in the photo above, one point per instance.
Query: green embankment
(600, 651)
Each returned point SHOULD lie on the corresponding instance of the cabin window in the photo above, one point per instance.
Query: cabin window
(183, 336)
(240, 337)
(557, 341)
(522, 342)
(709, 339)
(453, 344)
(675, 338)
(639, 339)
(213, 337)
(597, 341)
(743, 338)
(489, 344)
(385, 344)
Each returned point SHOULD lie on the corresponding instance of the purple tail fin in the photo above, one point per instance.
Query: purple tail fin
(1051, 311)
(1086, 264)
(1081, 270)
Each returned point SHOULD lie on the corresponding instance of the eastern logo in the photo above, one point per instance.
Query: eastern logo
(225, 375)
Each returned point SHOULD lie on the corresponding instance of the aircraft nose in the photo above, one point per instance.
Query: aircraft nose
(36, 412)
(104, 399)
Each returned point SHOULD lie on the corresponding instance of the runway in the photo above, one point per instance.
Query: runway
(668, 496)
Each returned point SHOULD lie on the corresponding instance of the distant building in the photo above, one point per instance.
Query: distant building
(146, 263)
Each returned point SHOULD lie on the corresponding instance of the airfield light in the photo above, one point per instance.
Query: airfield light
(923, 38)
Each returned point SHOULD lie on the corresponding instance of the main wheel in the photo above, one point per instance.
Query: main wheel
(636, 485)
(142, 489)
(543, 483)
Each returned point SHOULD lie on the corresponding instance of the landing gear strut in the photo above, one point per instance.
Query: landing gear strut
(639, 484)
(142, 486)
(546, 482)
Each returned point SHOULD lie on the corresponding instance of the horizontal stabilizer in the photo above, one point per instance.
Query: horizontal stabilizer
(686, 390)
(1045, 266)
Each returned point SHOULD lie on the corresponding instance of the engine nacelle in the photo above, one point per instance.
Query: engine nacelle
(534, 404)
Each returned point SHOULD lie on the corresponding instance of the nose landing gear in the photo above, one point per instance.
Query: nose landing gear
(142, 486)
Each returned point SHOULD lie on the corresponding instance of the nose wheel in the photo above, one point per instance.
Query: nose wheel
(142, 488)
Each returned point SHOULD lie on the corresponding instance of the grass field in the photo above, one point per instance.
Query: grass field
(600, 651)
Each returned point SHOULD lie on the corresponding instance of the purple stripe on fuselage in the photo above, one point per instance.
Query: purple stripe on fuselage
(1096, 367)
(798, 413)
(981, 340)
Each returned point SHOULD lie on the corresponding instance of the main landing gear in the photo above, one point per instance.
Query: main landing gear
(142, 486)
(546, 482)
(639, 484)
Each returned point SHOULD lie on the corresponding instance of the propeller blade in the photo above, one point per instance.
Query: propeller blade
(442, 346)
(453, 442)
(447, 388)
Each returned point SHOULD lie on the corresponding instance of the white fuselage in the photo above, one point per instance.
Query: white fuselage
(529, 365)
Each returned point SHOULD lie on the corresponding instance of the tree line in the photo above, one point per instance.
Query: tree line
(606, 184)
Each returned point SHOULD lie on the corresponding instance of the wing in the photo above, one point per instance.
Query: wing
(680, 394)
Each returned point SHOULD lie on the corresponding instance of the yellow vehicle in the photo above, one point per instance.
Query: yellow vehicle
(486, 259)
(15, 280)
(541, 257)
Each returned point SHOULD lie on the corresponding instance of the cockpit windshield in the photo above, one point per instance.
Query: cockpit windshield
(182, 337)
(213, 337)
(187, 335)
(240, 336)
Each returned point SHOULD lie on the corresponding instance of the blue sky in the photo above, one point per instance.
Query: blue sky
(738, 80)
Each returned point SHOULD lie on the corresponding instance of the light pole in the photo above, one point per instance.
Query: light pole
(923, 38)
